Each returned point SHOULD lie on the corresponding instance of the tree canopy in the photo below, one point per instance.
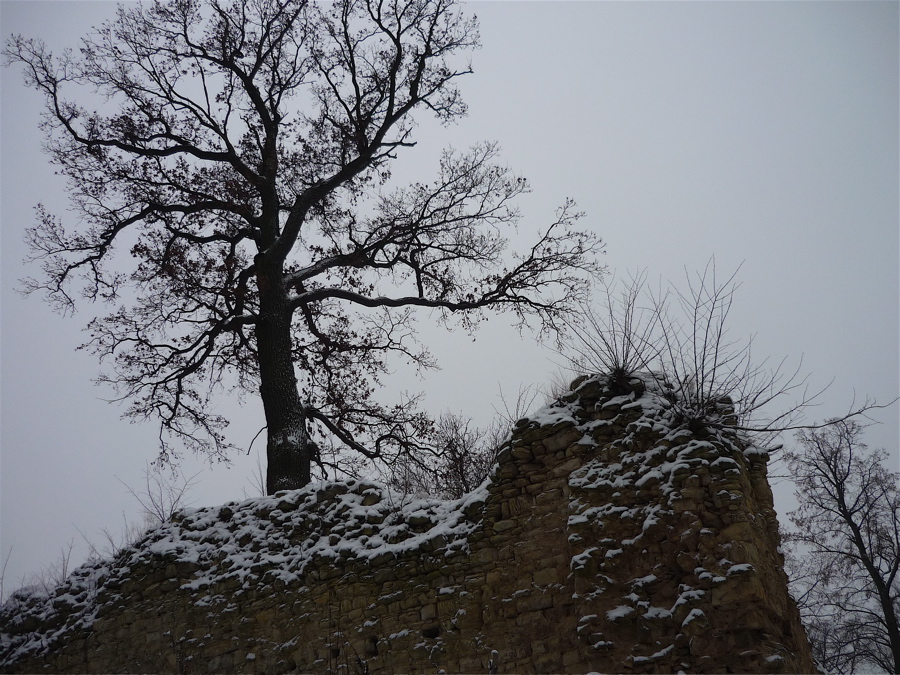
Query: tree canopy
(241, 153)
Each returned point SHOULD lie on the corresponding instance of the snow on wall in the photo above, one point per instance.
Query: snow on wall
(609, 538)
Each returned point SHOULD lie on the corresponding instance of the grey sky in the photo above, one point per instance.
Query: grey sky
(763, 133)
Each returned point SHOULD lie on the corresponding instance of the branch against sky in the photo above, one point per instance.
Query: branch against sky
(240, 152)
(684, 339)
(847, 561)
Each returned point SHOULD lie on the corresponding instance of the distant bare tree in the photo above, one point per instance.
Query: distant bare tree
(46, 580)
(463, 454)
(162, 495)
(3, 575)
(257, 480)
(112, 542)
(460, 462)
(847, 556)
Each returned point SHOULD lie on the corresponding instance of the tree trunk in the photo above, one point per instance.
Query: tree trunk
(289, 449)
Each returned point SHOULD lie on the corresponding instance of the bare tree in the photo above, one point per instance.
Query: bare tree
(113, 542)
(715, 378)
(3, 575)
(461, 460)
(239, 151)
(682, 337)
(162, 495)
(847, 529)
(463, 454)
(51, 576)
(620, 336)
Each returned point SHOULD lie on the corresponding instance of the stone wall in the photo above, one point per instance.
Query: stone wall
(610, 538)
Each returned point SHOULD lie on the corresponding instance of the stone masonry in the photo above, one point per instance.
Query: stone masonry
(610, 537)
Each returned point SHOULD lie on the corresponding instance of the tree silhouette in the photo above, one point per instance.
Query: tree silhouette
(847, 573)
(682, 337)
(241, 152)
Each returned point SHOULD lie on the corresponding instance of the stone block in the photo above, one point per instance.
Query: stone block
(684, 505)
(562, 440)
(546, 576)
(504, 525)
(739, 592)
(536, 601)
(565, 468)
(522, 453)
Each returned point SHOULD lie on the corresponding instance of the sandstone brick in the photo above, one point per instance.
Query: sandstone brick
(546, 576)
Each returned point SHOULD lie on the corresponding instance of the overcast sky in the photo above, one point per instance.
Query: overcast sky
(764, 133)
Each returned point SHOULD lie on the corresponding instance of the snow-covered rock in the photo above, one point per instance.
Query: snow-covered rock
(610, 537)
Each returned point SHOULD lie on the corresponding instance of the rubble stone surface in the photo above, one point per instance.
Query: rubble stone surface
(611, 537)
